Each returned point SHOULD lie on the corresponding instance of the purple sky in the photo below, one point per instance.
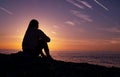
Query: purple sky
(71, 24)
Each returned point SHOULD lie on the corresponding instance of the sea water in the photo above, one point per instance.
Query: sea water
(103, 58)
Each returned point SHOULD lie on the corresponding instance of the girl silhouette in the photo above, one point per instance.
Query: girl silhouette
(35, 40)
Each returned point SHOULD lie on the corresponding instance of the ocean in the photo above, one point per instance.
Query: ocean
(102, 58)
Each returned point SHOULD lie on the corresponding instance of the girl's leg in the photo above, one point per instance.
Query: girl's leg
(38, 49)
(43, 45)
(46, 49)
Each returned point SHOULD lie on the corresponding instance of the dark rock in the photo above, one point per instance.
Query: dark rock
(22, 65)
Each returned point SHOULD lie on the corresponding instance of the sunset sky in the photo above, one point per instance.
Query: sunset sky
(79, 25)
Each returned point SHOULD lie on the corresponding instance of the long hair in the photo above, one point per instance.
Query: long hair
(33, 24)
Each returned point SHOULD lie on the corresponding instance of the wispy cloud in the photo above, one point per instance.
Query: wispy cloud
(84, 17)
(117, 30)
(56, 26)
(101, 5)
(53, 32)
(96, 41)
(85, 3)
(115, 40)
(75, 4)
(70, 23)
(6, 10)
(111, 41)
(100, 41)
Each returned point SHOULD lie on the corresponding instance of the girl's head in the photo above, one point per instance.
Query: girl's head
(33, 24)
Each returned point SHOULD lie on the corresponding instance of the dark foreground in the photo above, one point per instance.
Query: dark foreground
(19, 65)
